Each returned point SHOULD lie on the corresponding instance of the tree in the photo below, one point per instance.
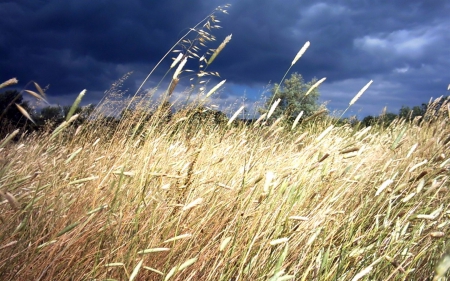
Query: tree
(55, 115)
(384, 119)
(409, 114)
(426, 110)
(293, 99)
(52, 114)
(205, 115)
(369, 120)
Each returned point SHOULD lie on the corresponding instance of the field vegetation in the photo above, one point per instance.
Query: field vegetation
(188, 195)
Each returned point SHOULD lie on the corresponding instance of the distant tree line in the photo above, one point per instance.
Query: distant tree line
(49, 117)
(418, 113)
(294, 98)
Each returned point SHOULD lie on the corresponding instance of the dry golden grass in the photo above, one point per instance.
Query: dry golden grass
(216, 202)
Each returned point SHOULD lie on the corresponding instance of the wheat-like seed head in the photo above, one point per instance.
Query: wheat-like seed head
(235, 115)
(73, 118)
(300, 138)
(272, 109)
(300, 53)
(75, 104)
(259, 120)
(315, 86)
(418, 165)
(136, 270)
(39, 89)
(11, 200)
(269, 179)
(383, 186)
(178, 237)
(359, 94)
(224, 243)
(276, 122)
(219, 49)
(24, 112)
(194, 203)
(38, 96)
(297, 119)
(8, 138)
(215, 88)
(362, 273)
(177, 60)
(9, 82)
(172, 86)
(324, 133)
(279, 241)
(412, 150)
(179, 68)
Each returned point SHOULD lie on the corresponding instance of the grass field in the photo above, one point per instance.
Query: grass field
(195, 199)
(206, 201)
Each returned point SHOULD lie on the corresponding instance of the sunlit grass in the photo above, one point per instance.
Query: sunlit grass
(231, 202)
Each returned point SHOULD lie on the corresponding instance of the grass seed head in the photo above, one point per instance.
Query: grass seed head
(214, 89)
(193, 204)
(235, 115)
(24, 112)
(272, 108)
(296, 120)
(315, 86)
(9, 82)
(219, 49)
(177, 60)
(179, 68)
(359, 94)
(300, 53)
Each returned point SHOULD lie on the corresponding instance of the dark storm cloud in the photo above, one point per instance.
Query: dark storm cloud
(76, 44)
(82, 44)
(401, 43)
(339, 34)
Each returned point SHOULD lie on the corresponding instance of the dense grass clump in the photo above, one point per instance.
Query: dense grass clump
(206, 201)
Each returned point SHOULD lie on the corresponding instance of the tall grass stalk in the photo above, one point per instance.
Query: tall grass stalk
(294, 61)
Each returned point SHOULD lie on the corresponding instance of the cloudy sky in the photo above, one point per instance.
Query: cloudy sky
(71, 45)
